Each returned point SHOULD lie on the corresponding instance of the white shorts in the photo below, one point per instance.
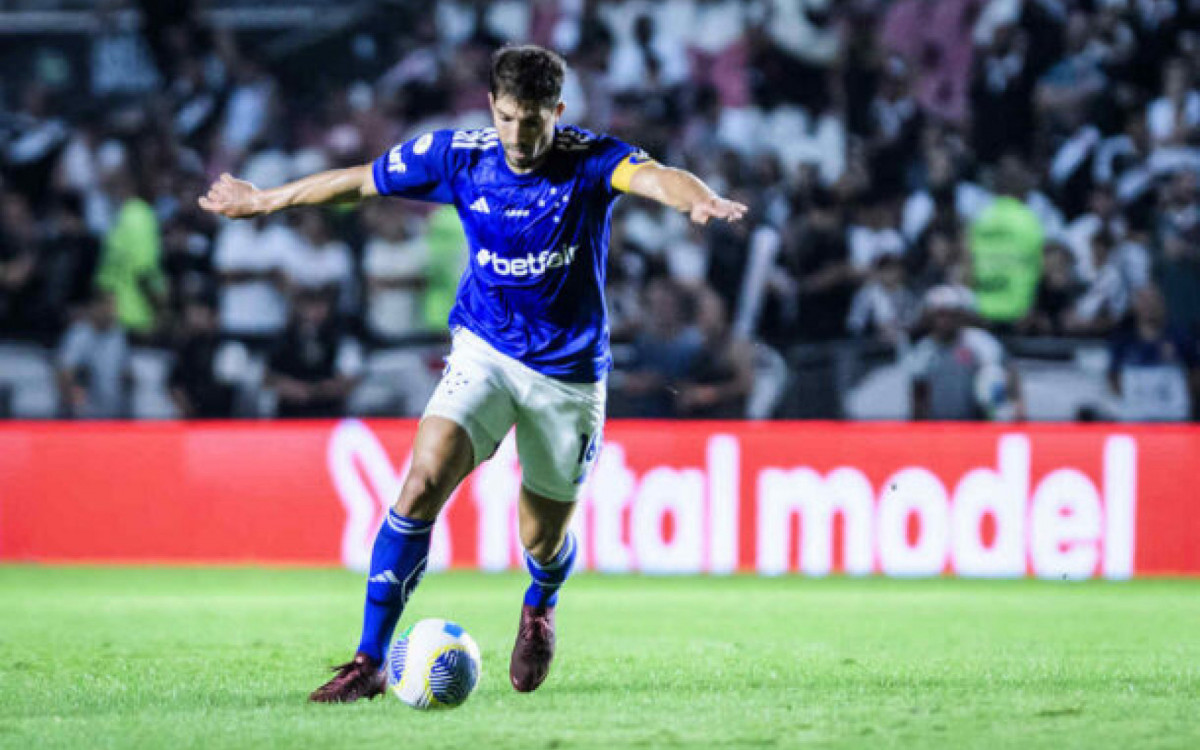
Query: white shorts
(559, 425)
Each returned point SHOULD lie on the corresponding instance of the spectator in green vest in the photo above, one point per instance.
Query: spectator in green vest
(447, 260)
(131, 262)
(1006, 250)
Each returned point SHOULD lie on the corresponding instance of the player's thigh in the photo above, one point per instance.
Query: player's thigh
(441, 459)
(474, 393)
(468, 415)
(559, 432)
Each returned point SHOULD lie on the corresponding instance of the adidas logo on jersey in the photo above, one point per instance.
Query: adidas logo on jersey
(530, 265)
(481, 206)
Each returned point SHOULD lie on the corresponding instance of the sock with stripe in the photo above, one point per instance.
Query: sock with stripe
(549, 577)
(397, 564)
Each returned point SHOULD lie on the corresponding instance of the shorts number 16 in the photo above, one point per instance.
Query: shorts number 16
(588, 445)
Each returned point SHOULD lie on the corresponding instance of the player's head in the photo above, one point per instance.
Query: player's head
(712, 316)
(526, 98)
(1149, 307)
(311, 308)
(947, 308)
(103, 308)
(199, 315)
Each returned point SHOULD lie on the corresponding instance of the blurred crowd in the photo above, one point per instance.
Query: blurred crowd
(1029, 165)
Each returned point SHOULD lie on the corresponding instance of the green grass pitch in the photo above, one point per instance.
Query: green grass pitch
(214, 658)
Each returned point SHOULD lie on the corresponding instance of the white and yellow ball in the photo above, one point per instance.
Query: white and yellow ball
(433, 664)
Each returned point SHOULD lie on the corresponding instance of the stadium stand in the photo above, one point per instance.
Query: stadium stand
(1042, 155)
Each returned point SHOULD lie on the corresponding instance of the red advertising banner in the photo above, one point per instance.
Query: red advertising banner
(1055, 501)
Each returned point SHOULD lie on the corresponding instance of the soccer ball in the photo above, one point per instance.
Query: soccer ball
(433, 664)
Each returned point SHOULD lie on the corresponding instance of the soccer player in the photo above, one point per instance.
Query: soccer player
(530, 331)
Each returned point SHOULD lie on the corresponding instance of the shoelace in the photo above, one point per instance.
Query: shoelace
(537, 634)
(349, 673)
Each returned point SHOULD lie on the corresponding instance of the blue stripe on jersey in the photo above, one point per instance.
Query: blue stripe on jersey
(538, 242)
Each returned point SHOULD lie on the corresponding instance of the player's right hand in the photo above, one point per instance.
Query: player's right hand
(232, 198)
(716, 207)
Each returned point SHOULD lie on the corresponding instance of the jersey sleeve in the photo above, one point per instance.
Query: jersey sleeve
(612, 163)
(418, 169)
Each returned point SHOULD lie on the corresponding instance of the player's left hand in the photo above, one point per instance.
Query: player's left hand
(232, 198)
(717, 207)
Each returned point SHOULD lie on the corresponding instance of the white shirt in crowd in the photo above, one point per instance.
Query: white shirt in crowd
(887, 310)
(952, 371)
(1108, 294)
(792, 29)
(101, 357)
(655, 229)
(328, 266)
(985, 349)
(626, 62)
(246, 113)
(788, 133)
(1078, 237)
(1161, 117)
(506, 19)
(393, 312)
(713, 26)
(312, 266)
(1047, 213)
(257, 307)
(969, 201)
(867, 244)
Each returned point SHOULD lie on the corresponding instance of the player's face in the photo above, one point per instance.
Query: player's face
(945, 324)
(526, 131)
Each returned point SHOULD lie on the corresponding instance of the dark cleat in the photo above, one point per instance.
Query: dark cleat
(361, 678)
(534, 649)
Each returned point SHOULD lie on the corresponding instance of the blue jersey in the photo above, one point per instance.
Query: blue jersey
(538, 242)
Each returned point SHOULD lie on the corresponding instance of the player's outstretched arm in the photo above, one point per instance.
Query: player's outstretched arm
(238, 199)
(685, 192)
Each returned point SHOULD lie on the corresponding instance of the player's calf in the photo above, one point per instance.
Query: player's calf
(398, 560)
(441, 458)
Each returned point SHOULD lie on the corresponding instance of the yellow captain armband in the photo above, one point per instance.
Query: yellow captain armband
(623, 172)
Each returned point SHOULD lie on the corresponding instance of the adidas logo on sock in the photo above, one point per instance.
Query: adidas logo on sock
(386, 576)
(481, 206)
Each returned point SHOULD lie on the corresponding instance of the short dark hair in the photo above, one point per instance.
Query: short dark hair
(528, 73)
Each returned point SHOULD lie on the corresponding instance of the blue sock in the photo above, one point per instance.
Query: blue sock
(397, 564)
(549, 577)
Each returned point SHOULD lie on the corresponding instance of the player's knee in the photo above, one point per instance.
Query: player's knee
(423, 494)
